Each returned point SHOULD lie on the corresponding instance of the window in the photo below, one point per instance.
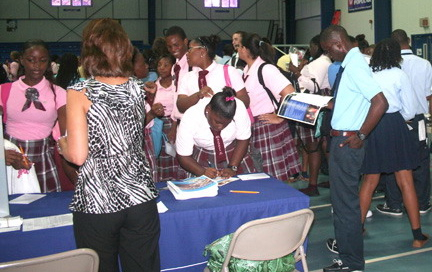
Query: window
(74, 3)
(221, 3)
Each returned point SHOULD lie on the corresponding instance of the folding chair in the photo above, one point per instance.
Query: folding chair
(271, 238)
(78, 260)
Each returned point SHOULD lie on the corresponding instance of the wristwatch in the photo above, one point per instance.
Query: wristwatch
(361, 136)
(233, 167)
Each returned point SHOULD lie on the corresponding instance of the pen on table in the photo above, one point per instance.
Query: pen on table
(244, 192)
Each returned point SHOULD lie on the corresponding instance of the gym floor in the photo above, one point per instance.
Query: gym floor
(387, 241)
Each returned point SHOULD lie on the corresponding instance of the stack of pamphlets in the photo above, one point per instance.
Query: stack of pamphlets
(195, 187)
(302, 107)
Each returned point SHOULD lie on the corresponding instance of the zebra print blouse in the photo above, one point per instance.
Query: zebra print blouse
(116, 174)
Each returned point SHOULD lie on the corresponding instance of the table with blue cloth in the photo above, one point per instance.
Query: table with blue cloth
(186, 228)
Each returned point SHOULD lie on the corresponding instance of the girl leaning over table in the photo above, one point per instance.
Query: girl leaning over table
(213, 138)
(32, 108)
(114, 207)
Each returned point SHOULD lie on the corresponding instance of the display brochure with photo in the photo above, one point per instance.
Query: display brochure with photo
(194, 187)
(303, 107)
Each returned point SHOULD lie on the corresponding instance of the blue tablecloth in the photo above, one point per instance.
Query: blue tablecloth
(186, 227)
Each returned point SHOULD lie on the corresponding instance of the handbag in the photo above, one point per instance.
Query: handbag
(219, 248)
(228, 83)
(156, 135)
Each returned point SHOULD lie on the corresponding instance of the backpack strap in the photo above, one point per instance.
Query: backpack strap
(261, 81)
(226, 75)
(5, 91)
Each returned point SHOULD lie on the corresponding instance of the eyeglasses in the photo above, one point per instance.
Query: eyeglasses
(193, 47)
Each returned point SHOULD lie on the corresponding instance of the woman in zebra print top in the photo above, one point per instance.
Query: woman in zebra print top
(114, 207)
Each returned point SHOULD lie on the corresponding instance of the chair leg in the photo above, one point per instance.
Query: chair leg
(303, 259)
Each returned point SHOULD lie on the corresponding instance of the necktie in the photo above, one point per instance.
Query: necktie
(176, 74)
(219, 146)
(337, 81)
(32, 95)
(201, 78)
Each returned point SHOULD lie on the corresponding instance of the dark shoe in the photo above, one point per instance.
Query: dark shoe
(310, 191)
(324, 184)
(383, 208)
(332, 245)
(426, 209)
(420, 243)
(338, 266)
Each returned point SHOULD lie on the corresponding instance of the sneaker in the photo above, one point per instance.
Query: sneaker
(310, 191)
(426, 209)
(383, 208)
(332, 245)
(338, 266)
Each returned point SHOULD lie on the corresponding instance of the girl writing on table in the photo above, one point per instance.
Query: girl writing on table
(213, 138)
(114, 207)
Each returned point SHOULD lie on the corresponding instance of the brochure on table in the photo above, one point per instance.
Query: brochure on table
(303, 107)
(194, 187)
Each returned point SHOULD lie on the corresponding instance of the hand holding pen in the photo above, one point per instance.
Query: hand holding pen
(210, 171)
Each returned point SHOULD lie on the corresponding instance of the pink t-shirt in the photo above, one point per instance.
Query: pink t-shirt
(33, 124)
(166, 97)
(274, 80)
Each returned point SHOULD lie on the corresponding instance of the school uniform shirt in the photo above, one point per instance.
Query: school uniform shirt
(194, 129)
(33, 124)
(215, 80)
(397, 89)
(356, 89)
(419, 72)
(166, 96)
(317, 69)
(184, 69)
(274, 80)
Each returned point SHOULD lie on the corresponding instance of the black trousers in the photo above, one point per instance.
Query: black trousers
(131, 234)
(421, 174)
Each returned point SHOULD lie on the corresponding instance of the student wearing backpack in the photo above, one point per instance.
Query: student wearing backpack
(270, 134)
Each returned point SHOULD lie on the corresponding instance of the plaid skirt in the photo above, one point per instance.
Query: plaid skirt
(204, 157)
(277, 147)
(41, 153)
(306, 133)
(168, 166)
(150, 154)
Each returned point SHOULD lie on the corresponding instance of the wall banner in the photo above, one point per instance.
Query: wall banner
(358, 5)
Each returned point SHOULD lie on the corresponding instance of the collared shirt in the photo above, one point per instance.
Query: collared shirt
(419, 72)
(215, 80)
(356, 89)
(194, 129)
(274, 80)
(317, 69)
(33, 124)
(184, 69)
(166, 96)
(397, 89)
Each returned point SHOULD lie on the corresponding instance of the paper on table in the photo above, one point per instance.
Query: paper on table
(10, 229)
(161, 207)
(8, 222)
(26, 198)
(223, 181)
(253, 176)
(47, 222)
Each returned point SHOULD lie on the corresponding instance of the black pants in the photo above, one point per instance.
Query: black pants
(421, 174)
(131, 234)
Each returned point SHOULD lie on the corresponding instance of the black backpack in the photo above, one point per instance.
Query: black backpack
(289, 75)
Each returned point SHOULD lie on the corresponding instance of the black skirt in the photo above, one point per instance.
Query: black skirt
(390, 147)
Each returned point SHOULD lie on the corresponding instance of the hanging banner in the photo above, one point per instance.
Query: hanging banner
(358, 5)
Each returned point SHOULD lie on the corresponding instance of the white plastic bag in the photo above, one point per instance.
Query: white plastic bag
(21, 181)
(169, 147)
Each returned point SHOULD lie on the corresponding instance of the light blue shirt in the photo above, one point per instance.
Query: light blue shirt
(397, 89)
(419, 72)
(152, 76)
(356, 89)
